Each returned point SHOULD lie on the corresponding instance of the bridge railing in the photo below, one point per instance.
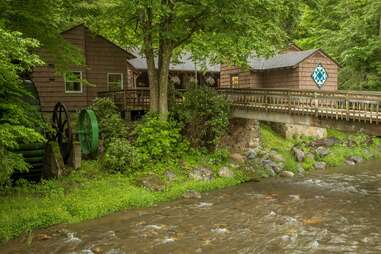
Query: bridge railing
(343, 105)
(340, 105)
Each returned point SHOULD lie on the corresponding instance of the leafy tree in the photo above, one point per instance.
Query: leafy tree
(18, 121)
(350, 31)
(203, 116)
(227, 30)
(20, 21)
(42, 20)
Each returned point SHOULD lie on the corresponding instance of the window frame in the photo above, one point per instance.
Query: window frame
(121, 79)
(231, 80)
(80, 82)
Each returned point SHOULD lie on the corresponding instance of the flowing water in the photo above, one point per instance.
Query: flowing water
(335, 211)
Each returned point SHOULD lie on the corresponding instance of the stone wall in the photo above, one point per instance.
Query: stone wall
(292, 130)
(243, 134)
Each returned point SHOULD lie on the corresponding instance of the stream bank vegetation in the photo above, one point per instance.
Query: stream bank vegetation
(152, 160)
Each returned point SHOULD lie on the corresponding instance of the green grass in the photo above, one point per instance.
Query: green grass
(338, 153)
(272, 140)
(85, 194)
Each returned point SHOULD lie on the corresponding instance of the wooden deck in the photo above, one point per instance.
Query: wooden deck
(352, 106)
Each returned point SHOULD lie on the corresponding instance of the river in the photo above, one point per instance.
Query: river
(332, 211)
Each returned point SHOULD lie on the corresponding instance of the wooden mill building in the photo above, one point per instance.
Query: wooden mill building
(291, 69)
(110, 68)
(107, 67)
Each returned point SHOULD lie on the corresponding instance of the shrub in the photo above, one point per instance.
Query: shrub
(121, 156)
(203, 116)
(157, 139)
(111, 125)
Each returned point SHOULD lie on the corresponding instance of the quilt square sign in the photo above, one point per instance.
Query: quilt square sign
(319, 75)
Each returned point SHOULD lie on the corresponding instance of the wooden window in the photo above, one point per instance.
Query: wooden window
(73, 82)
(115, 81)
(234, 80)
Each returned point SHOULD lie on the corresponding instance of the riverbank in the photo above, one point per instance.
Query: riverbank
(92, 192)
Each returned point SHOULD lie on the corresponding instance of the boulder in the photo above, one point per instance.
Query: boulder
(356, 159)
(276, 156)
(269, 171)
(192, 194)
(326, 142)
(225, 172)
(170, 176)
(300, 169)
(320, 165)
(350, 162)
(201, 174)
(286, 173)
(151, 182)
(237, 157)
(298, 153)
(252, 154)
(322, 151)
(309, 156)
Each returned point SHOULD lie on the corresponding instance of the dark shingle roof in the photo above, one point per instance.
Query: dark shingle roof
(286, 60)
(184, 63)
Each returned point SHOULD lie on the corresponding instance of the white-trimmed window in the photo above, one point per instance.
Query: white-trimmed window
(73, 82)
(114, 81)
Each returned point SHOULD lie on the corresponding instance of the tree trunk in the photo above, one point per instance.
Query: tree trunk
(153, 80)
(165, 59)
(150, 58)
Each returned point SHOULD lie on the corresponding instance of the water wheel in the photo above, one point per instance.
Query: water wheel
(62, 125)
(88, 131)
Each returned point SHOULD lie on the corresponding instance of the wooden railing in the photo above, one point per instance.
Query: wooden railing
(339, 105)
(131, 99)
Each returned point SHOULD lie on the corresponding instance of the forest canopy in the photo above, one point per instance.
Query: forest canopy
(350, 31)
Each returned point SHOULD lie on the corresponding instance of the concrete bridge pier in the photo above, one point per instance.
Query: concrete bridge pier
(309, 120)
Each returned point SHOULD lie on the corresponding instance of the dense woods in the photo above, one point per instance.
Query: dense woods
(350, 31)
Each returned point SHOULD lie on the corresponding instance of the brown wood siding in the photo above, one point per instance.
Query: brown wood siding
(307, 67)
(101, 57)
(247, 78)
(286, 78)
(298, 77)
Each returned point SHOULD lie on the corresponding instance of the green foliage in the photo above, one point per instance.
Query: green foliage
(350, 32)
(44, 20)
(85, 194)
(18, 120)
(157, 139)
(362, 145)
(121, 156)
(111, 125)
(272, 140)
(226, 31)
(203, 116)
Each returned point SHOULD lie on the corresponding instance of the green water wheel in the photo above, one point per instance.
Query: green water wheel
(88, 131)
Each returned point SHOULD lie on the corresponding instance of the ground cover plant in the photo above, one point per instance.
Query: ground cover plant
(92, 192)
(345, 146)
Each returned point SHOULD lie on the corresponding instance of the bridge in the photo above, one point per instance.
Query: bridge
(343, 110)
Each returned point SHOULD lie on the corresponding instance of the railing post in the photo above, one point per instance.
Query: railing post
(316, 104)
(289, 102)
(346, 107)
(266, 103)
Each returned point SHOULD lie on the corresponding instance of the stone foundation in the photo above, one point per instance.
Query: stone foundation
(243, 134)
(292, 130)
